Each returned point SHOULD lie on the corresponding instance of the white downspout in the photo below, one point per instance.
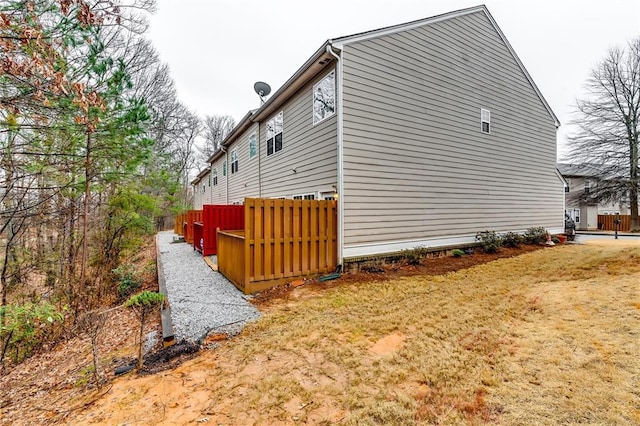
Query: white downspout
(226, 176)
(340, 156)
(210, 183)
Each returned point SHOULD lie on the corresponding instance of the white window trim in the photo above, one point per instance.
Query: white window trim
(234, 159)
(313, 98)
(307, 196)
(485, 117)
(266, 145)
(255, 139)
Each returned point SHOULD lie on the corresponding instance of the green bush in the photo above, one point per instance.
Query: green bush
(144, 300)
(128, 282)
(415, 255)
(143, 304)
(512, 239)
(458, 253)
(535, 235)
(489, 241)
(27, 327)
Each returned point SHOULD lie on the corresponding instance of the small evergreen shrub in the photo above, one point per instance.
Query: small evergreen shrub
(457, 253)
(414, 256)
(26, 327)
(489, 241)
(512, 239)
(143, 304)
(127, 280)
(535, 235)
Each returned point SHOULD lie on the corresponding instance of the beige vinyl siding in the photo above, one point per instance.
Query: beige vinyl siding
(310, 149)
(219, 191)
(244, 183)
(198, 196)
(417, 165)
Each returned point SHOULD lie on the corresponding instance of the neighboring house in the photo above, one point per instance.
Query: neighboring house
(425, 133)
(583, 209)
(202, 189)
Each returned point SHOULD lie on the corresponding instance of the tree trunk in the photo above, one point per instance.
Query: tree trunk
(85, 208)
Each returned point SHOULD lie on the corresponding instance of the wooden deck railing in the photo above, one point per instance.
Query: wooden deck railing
(233, 264)
(282, 240)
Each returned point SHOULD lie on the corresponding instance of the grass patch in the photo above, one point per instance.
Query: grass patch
(470, 351)
(549, 337)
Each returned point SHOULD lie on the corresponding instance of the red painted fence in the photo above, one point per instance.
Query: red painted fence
(225, 217)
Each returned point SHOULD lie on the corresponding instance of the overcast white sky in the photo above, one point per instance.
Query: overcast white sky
(217, 50)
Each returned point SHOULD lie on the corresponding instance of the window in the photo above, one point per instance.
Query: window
(204, 188)
(253, 145)
(304, 197)
(328, 195)
(324, 98)
(214, 173)
(234, 161)
(209, 179)
(576, 215)
(274, 134)
(587, 186)
(224, 168)
(485, 119)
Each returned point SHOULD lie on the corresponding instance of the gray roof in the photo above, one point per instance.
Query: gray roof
(584, 170)
(322, 56)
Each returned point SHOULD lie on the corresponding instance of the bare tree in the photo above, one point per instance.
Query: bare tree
(216, 129)
(608, 128)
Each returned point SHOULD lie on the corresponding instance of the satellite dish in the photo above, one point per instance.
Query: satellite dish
(262, 89)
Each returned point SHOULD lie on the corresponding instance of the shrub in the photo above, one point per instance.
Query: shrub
(27, 327)
(489, 241)
(143, 304)
(535, 235)
(414, 256)
(457, 253)
(128, 282)
(512, 239)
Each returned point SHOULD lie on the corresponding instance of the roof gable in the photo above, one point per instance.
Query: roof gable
(322, 57)
(346, 40)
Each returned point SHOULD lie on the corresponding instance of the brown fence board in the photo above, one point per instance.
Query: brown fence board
(282, 240)
(179, 223)
(192, 216)
(605, 222)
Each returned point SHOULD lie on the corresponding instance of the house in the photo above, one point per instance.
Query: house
(581, 206)
(200, 194)
(425, 132)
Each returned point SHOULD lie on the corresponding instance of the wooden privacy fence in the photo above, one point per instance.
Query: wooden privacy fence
(192, 216)
(224, 217)
(282, 240)
(605, 222)
(179, 223)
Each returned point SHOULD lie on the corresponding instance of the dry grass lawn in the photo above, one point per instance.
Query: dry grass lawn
(549, 337)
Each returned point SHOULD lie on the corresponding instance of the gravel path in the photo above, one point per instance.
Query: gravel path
(201, 300)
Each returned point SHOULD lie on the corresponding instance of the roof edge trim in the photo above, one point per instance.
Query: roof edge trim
(342, 41)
